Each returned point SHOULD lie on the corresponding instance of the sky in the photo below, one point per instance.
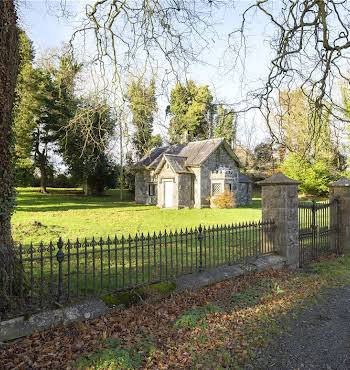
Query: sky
(47, 29)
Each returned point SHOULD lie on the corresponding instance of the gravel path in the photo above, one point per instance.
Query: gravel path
(318, 339)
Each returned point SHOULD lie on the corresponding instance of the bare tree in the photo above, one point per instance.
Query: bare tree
(159, 34)
(309, 41)
(310, 45)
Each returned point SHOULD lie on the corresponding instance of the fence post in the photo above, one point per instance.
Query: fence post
(280, 203)
(60, 258)
(200, 238)
(340, 215)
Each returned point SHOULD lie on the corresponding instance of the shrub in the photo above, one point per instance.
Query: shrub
(225, 200)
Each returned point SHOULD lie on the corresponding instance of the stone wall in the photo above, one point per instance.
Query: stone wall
(244, 193)
(280, 203)
(220, 157)
(340, 215)
(197, 186)
(142, 179)
(185, 190)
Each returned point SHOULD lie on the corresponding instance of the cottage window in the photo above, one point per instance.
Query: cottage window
(151, 190)
(228, 186)
(215, 188)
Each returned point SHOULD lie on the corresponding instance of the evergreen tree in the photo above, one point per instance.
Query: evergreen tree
(189, 109)
(224, 124)
(44, 104)
(143, 105)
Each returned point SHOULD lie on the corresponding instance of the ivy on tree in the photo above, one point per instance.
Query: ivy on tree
(190, 109)
(143, 105)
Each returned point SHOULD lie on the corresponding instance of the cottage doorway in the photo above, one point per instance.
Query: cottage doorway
(168, 194)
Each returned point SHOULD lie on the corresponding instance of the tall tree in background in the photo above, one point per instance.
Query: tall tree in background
(143, 105)
(189, 109)
(224, 124)
(84, 146)
(312, 151)
(9, 60)
(308, 44)
(44, 103)
(26, 97)
(346, 103)
(35, 116)
(297, 134)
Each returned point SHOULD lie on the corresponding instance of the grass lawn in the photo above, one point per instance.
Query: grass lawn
(69, 214)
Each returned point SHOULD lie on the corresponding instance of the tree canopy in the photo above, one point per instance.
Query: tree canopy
(143, 105)
(190, 112)
(44, 104)
(84, 145)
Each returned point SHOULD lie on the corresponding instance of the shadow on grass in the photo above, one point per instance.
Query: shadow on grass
(32, 200)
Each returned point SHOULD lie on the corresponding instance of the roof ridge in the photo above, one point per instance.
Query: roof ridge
(174, 155)
(199, 141)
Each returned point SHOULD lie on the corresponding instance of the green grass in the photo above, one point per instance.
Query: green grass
(69, 214)
(111, 357)
(196, 317)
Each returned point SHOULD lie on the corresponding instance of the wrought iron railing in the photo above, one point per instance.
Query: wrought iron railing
(59, 272)
(318, 230)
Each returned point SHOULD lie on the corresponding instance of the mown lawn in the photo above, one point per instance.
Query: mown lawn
(69, 214)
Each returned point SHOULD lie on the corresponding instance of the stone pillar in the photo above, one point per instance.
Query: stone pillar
(280, 203)
(340, 215)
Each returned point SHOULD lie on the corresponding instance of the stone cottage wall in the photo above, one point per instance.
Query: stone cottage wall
(185, 194)
(197, 186)
(167, 173)
(142, 179)
(244, 193)
(219, 157)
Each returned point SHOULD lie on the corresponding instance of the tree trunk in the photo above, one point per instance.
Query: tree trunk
(93, 188)
(9, 59)
(121, 178)
(43, 177)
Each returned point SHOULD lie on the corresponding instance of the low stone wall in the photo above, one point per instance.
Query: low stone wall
(209, 277)
(21, 326)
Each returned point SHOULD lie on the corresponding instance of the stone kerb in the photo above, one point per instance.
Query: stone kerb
(340, 219)
(280, 203)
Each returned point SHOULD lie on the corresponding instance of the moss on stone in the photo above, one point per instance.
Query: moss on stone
(131, 297)
(123, 298)
(164, 287)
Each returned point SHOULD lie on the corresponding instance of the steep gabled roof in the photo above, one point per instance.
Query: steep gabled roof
(195, 152)
(148, 158)
(176, 162)
(171, 149)
(198, 151)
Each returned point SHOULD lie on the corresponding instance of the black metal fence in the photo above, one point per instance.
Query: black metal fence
(318, 230)
(59, 272)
